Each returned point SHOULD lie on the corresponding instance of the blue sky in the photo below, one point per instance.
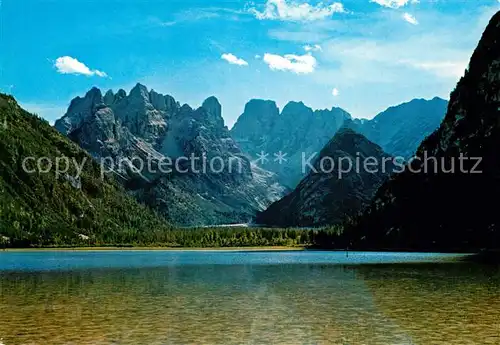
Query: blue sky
(361, 55)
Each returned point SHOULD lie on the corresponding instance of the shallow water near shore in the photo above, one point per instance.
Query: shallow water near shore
(238, 297)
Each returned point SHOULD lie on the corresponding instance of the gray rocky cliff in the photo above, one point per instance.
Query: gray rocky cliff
(179, 144)
(299, 131)
(296, 131)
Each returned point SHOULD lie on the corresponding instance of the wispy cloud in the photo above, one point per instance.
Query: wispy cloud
(233, 59)
(289, 10)
(301, 34)
(410, 18)
(190, 16)
(312, 48)
(199, 14)
(299, 64)
(70, 65)
(445, 69)
(394, 3)
(335, 92)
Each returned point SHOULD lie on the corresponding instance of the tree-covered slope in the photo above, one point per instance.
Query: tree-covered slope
(45, 208)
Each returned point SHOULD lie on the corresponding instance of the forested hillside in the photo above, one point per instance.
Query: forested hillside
(41, 207)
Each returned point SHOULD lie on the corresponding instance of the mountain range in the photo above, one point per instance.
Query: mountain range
(126, 132)
(208, 181)
(298, 131)
(400, 129)
(295, 131)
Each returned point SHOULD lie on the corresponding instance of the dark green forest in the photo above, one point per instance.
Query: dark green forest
(39, 209)
(216, 237)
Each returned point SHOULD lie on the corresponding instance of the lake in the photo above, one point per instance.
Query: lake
(238, 297)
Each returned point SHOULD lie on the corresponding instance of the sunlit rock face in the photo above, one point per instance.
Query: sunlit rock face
(212, 183)
(447, 201)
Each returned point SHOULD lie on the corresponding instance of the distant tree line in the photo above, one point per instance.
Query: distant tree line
(183, 238)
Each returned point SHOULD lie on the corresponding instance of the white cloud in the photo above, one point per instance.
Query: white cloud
(300, 64)
(314, 48)
(257, 56)
(234, 60)
(289, 10)
(335, 92)
(394, 3)
(410, 18)
(69, 65)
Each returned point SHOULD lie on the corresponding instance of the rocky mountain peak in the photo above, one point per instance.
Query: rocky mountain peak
(79, 110)
(438, 99)
(400, 129)
(212, 105)
(139, 91)
(350, 143)
(296, 108)
(257, 120)
(148, 124)
(109, 97)
(185, 108)
(261, 109)
(346, 134)
(329, 194)
(170, 103)
(157, 100)
(121, 94)
(295, 131)
(95, 94)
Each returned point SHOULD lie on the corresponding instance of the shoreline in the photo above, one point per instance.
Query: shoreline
(118, 248)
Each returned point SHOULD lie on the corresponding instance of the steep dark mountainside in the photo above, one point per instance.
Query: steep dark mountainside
(40, 207)
(296, 130)
(299, 130)
(180, 160)
(400, 129)
(331, 193)
(439, 210)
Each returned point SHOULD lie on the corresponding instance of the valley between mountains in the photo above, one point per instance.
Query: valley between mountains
(260, 176)
(144, 124)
